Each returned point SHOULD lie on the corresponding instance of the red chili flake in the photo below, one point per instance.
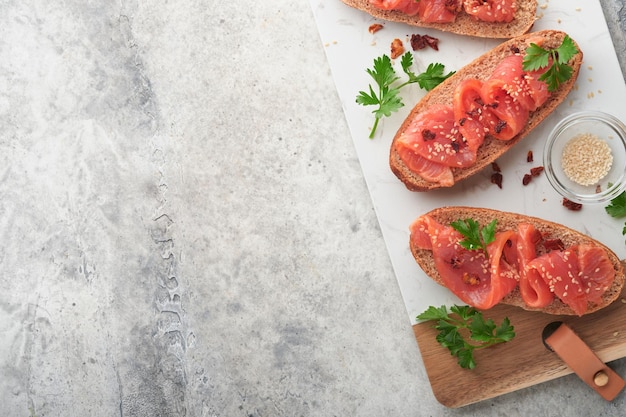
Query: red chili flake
(455, 262)
(527, 179)
(536, 171)
(499, 126)
(553, 244)
(471, 279)
(422, 41)
(529, 156)
(495, 167)
(428, 134)
(496, 178)
(570, 205)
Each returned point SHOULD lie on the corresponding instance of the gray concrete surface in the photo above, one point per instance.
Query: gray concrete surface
(184, 228)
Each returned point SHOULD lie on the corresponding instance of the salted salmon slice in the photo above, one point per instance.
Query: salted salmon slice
(421, 230)
(491, 10)
(477, 279)
(429, 170)
(510, 116)
(409, 7)
(596, 271)
(510, 77)
(559, 269)
(431, 11)
(434, 135)
(438, 11)
(470, 113)
(533, 289)
(576, 275)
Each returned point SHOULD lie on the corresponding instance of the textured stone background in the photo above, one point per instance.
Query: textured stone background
(184, 228)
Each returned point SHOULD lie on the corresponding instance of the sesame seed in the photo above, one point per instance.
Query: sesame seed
(586, 159)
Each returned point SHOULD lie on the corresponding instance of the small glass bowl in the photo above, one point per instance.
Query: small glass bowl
(607, 128)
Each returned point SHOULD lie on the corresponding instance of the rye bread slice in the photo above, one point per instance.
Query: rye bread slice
(481, 68)
(464, 24)
(508, 221)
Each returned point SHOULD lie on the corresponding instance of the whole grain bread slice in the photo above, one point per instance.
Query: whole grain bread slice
(464, 24)
(481, 68)
(509, 221)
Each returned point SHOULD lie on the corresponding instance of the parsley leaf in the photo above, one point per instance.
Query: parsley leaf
(537, 58)
(483, 332)
(387, 96)
(617, 208)
(476, 238)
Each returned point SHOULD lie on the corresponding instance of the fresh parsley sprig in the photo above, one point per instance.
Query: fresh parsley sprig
(476, 238)
(617, 208)
(387, 96)
(537, 58)
(463, 319)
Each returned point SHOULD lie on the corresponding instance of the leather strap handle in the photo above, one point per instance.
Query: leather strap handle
(581, 359)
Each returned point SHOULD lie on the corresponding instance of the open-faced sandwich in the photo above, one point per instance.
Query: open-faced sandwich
(486, 257)
(476, 115)
(503, 19)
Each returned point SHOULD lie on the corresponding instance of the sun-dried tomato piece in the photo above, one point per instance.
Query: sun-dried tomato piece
(570, 205)
(495, 167)
(422, 41)
(527, 179)
(529, 156)
(536, 171)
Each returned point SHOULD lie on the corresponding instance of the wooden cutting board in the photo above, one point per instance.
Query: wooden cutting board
(522, 362)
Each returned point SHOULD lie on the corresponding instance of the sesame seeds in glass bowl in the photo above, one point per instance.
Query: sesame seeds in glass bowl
(585, 157)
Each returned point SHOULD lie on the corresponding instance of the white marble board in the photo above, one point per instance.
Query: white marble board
(350, 49)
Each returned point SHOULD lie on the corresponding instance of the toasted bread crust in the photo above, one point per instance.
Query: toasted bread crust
(508, 221)
(464, 24)
(481, 68)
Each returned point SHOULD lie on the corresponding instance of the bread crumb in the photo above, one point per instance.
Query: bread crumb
(590, 79)
(589, 67)
(590, 94)
(599, 91)
(558, 21)
(578, 9)
(544, 6)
